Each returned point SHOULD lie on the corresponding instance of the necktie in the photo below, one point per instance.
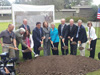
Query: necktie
(77, 32)
(25, 27)
(62, 29)
(40, 32)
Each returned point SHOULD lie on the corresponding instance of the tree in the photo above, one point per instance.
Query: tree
(4, 3)
(59, 4)
(95, 10)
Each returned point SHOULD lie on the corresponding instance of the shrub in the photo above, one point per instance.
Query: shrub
(76, 19)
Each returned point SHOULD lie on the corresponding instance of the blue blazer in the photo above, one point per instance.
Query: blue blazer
(37, 37)
(28, 27)
(82, 34)
(54, 35)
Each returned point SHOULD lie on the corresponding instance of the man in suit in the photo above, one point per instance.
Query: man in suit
(37, 36)
(82, 37)
(25, 26)
(62, 29)
(72, 31)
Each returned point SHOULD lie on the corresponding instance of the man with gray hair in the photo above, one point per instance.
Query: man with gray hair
(25, 26)
(19, 39)
(72, 31)
(62, 30)
(9, 40)
(82, 37)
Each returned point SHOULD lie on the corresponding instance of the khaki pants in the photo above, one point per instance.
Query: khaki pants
(82, 52)
(8, 50)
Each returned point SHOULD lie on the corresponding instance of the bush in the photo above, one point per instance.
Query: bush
(76, 19)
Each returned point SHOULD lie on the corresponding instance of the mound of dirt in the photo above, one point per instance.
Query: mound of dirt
(58, 65)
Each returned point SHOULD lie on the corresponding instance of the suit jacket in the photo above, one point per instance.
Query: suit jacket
(73, 32)
(37, 37)
(64, 32)
(19, 38)
(82, 36)
(46, 33)
(28, 27)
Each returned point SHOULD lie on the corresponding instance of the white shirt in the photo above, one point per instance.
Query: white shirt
(92, 33)
(32, 42)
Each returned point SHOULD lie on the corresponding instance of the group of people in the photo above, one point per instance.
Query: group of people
(49, 36)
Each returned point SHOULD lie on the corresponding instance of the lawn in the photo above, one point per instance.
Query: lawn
(3, 26)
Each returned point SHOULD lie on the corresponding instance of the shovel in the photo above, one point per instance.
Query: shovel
(80, 47)
(73, 42)
(20, 49)
(64, 47)
(89, 49)
(54, 48)
(41, 48)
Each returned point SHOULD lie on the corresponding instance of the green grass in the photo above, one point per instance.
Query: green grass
(3, 26)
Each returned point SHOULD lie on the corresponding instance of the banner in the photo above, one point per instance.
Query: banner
(33, 13)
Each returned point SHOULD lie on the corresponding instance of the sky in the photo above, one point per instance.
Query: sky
(95, 2)
(11, 1)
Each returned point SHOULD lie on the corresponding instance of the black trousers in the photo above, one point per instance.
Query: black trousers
(55, 52)
(26, 55)
(73, 49)
(36, 46)
(64, 52)
(93, 45)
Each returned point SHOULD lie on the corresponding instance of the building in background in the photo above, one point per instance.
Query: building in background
(80, 10)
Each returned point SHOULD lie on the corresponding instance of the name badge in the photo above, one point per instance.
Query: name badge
(11, 39)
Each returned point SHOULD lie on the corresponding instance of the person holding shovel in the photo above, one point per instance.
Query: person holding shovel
(19, 39)
(72, 31)
(92, 39)
(82, 37)
(37, 36)
(9, 40)
(46, 41)
(62, 32)
(28, 41)
(54, 39)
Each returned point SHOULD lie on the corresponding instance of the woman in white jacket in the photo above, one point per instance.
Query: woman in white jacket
(92, 39)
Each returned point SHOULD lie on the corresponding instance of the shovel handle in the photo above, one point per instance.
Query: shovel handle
(52, 43)
(11, 47)
(64, 43)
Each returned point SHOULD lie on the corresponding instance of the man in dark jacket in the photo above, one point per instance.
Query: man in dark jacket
(62, 30)
(82, 37)
(72, 31)
(37, 36)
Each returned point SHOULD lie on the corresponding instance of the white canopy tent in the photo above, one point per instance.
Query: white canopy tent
(32, 13)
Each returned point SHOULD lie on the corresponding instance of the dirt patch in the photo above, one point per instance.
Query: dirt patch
(59, 65)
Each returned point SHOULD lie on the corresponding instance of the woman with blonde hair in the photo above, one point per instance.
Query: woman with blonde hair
(54, 38)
